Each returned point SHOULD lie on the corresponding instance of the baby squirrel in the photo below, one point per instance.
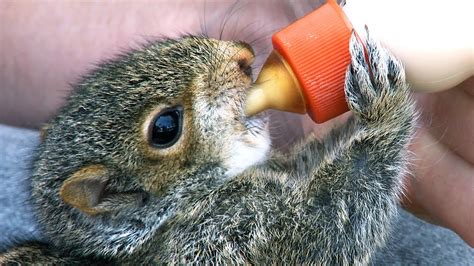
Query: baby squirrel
(153, 161)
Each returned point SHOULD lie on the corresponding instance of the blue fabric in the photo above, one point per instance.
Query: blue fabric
(415, 242)
(16, 215)
(412, 241)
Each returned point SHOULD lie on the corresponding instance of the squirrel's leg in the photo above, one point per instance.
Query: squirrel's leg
(43, 254)
(355, 175)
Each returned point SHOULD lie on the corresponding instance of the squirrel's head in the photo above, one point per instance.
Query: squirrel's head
(138, 128)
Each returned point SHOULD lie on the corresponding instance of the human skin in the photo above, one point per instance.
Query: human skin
(48, 45)
(441, 189)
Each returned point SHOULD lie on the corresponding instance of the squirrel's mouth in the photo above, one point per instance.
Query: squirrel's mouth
(256, 124)
(250, 148)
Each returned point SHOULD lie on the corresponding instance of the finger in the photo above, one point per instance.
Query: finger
(358, 84)
(442, 187)
(451, 120)
(468, 86)
(378, 60)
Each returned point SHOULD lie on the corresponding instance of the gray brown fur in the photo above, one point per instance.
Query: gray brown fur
(328, 202)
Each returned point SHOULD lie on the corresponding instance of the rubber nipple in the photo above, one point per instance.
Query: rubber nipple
(306, 70)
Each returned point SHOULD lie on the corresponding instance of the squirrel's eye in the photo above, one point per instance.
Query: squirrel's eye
(166, 128)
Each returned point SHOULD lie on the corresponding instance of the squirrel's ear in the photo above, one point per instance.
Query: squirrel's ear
(84, 189)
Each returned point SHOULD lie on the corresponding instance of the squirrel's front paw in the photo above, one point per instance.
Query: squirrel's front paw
(376, 90)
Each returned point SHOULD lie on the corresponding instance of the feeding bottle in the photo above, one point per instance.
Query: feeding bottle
(305, 73)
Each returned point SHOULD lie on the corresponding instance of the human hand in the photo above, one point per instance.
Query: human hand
(441, 188)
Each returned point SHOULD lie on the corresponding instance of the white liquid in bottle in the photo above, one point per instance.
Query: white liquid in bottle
(434, 39)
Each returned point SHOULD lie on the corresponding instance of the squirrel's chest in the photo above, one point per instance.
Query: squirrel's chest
(237, 225)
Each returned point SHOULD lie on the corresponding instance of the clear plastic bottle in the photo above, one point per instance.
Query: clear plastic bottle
(305, 72)
(434, 39)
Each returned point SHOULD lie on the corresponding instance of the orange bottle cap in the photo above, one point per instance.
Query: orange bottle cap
(317, 49)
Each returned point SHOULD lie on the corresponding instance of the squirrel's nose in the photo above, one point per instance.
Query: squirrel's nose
(244, 57)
